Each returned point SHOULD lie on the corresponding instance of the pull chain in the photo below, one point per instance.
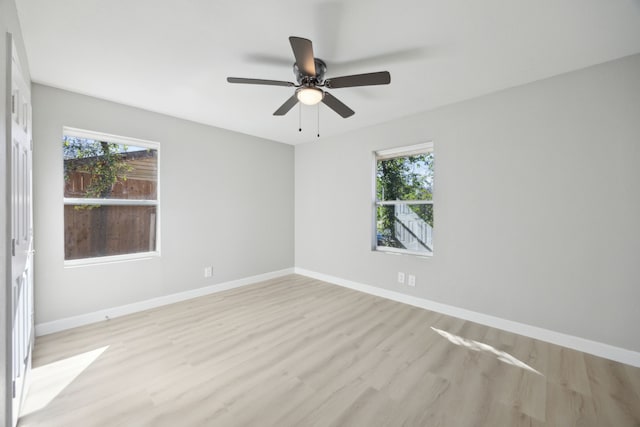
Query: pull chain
(299, 117)
(318, 120)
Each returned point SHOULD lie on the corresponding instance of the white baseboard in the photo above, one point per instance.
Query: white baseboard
(607, 351)
(113, 312)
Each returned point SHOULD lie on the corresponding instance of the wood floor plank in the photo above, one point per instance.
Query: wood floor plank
(506, 415)
(566, 407)
(567, 368)
(295, 351)
(371, 408)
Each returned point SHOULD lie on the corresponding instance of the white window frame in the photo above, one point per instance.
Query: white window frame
(411, 150)
(123, 140)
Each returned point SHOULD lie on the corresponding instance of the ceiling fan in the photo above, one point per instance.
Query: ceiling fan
(309, 72)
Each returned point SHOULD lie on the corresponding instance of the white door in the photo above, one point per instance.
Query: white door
(21, 232)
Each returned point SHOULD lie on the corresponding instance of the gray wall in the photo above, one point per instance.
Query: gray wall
(537, 204)
(226, 201)
(8, 24)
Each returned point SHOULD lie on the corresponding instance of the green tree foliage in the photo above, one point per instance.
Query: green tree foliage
(103, 161)
(403, 178)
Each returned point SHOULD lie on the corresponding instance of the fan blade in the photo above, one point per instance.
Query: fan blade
(336, 105)
(303, 51)
(259, 81)
(288, 105)
(369, 79)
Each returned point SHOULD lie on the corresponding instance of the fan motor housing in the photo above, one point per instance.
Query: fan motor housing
(321, 68)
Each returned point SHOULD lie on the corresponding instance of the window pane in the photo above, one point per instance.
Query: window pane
(100, 169)
(96, 231)
(405, 178)
(403, 226)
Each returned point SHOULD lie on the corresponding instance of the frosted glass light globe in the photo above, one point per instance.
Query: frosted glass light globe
(309, 95)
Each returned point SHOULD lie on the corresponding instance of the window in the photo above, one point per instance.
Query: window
(111, 197)
(403, 217)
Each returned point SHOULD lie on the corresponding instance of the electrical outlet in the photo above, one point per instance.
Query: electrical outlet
(412, 281)
(400, 277)
(208, 272)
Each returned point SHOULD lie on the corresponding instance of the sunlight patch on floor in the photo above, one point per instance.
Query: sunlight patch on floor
(503, 356)
(48, 381)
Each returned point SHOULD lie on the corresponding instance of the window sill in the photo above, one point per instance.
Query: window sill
(395, 251)
(86, 262)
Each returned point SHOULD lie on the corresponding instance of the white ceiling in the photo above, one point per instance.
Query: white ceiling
(173, 56)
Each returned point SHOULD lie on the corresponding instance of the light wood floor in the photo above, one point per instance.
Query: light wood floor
(298, 352)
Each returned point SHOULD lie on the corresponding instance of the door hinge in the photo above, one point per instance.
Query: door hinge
(13, 247)
(13, 387)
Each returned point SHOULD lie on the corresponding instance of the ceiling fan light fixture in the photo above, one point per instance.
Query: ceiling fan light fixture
(309, 72)
(309, 95)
